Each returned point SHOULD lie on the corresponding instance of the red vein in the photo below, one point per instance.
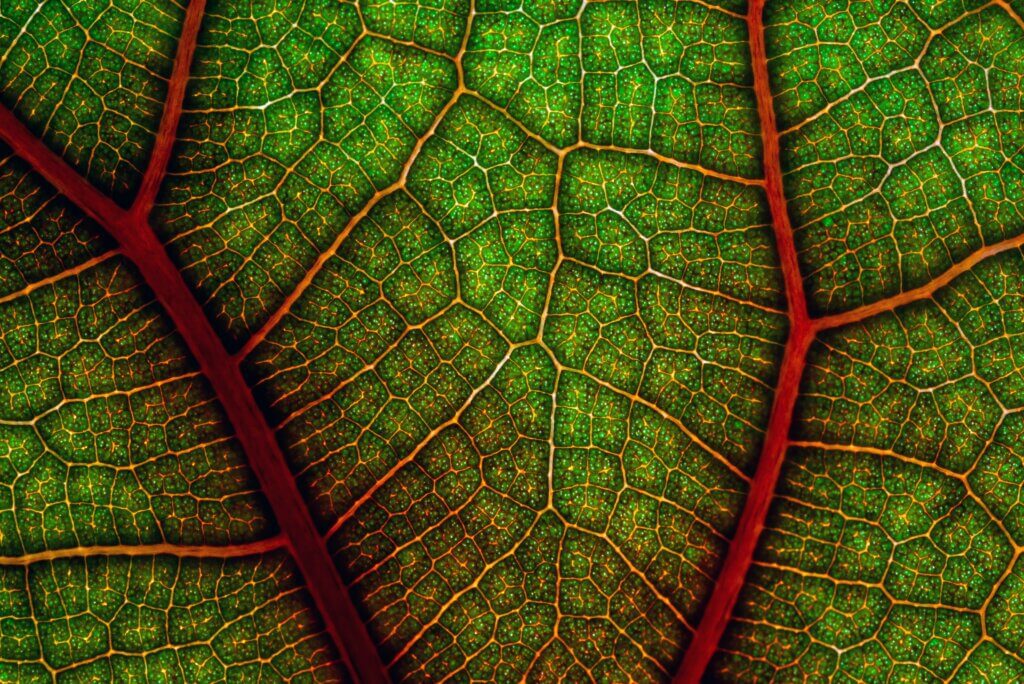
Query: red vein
(140, 245)
(741, 551)
(55, 170)
(167, 132)
(738, 560)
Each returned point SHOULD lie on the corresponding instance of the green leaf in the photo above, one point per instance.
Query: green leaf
(483, 340)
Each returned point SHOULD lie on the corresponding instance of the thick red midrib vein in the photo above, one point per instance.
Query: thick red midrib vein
(733, 574)
(261, 448)
(139, 244)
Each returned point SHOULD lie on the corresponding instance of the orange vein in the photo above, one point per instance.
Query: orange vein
(180, 550)
(925, 291)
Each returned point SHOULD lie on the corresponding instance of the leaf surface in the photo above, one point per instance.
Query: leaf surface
(479, 340)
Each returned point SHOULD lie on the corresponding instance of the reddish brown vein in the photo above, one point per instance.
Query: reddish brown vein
(167, 132)
(801, 332)
(139, 244)
(738, 560)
